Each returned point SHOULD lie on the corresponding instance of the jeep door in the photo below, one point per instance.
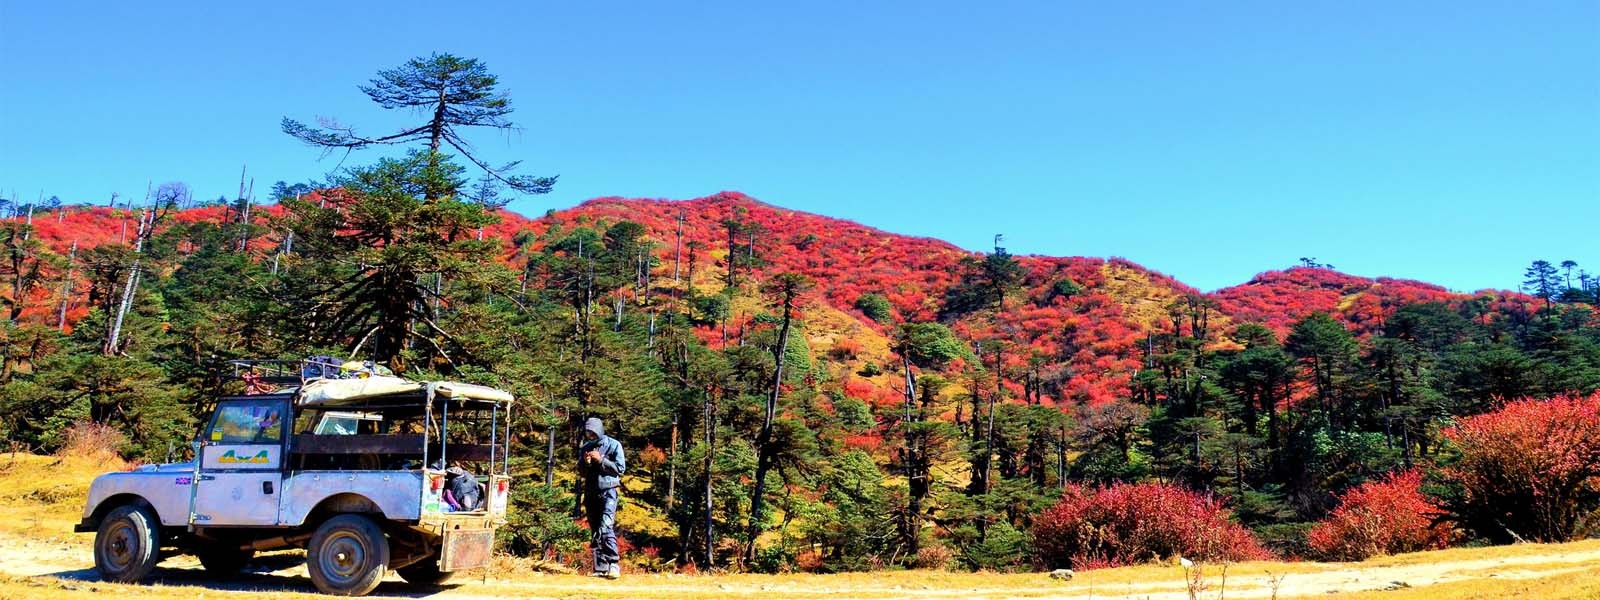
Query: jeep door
(241, 459)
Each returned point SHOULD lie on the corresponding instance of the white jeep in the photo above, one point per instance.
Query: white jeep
(352, 470)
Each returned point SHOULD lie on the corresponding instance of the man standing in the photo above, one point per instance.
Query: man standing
(601, 463)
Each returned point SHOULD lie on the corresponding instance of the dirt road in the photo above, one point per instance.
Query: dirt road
(57, 566)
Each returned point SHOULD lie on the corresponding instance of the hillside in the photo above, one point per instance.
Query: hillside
(1279, 298)
(1091, 338)
(884, 400)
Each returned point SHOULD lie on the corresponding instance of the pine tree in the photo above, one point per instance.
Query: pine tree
(375, 252)
(786, 290)
(1542, 280)
(455, 93)
(1327, 351)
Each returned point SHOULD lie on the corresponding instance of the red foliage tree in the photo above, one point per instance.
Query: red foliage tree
(1131, 523)
(1530, 470)
(1387, 516)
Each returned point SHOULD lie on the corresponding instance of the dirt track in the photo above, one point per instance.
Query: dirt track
(61, 568)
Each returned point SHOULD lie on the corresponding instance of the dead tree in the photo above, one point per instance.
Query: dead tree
(166, 197)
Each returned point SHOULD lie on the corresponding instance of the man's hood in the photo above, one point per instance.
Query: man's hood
(593, 425)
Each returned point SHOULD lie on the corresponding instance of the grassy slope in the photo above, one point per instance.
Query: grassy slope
(40, 558)
(42, 496)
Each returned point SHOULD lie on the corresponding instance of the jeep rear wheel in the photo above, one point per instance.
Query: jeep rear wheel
(128, 544)
(223, 558)
(425, 573)
(347, 556)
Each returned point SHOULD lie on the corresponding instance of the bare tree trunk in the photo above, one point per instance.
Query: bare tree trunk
(988, 447)
(672, 463)
(66, 288)
(288, 246)
(244, 207)
(677, 249)
(916, 458)
(146, 220)
(550, 447)
(1061, 458)
(711, 451)
(616, 305)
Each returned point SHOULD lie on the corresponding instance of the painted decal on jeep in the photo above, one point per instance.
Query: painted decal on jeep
(183, 481)
(229, 458)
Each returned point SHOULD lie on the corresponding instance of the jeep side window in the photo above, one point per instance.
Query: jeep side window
(248, 423)
(337, 425)
(347, 423)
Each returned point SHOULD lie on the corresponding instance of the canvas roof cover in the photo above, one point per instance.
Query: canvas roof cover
(340, 392)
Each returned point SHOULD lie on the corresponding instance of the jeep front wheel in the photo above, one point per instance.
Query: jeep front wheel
(128, 544)
(347, 556)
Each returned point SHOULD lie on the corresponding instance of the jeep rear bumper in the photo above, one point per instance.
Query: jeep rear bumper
(466, 539)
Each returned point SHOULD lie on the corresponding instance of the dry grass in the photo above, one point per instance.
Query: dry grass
(1473, 577)
(1571, 584)
(93, 441)
(40, 558)
(43, 496)
(1484, 553)
(1143, 301)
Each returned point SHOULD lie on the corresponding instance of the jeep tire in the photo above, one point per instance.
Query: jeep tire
(424, 573)
(128, 544)
(347, 556)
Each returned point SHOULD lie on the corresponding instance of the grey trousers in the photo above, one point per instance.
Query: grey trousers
(600, 507)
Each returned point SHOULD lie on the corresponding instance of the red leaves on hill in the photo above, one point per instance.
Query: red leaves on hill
(1278, 299)
(1132, 523)
(1088, 330)
(1066, 312)
(1387, 516)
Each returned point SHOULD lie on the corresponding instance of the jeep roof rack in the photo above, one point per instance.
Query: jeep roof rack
(283, 372)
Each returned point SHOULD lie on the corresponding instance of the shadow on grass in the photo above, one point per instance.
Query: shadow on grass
(271, 573)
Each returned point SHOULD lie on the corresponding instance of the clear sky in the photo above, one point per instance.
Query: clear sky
(1451, 142)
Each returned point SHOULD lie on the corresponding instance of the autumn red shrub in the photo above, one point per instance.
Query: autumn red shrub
(1387, 516)
(859, 389)
(1131, 523)
(1528, 471)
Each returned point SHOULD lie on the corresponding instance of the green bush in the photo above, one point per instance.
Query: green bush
(875, 307)
(1000, 549)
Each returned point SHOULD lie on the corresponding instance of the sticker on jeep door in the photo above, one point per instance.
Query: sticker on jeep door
(229, 456)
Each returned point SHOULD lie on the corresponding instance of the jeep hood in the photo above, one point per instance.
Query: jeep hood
(180, 467)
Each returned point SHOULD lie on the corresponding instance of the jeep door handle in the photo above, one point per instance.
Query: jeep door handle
(266, 487)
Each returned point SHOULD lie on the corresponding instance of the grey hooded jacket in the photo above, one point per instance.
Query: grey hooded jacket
(606, 474)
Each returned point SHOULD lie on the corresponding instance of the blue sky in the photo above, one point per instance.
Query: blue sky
(1451, 142)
